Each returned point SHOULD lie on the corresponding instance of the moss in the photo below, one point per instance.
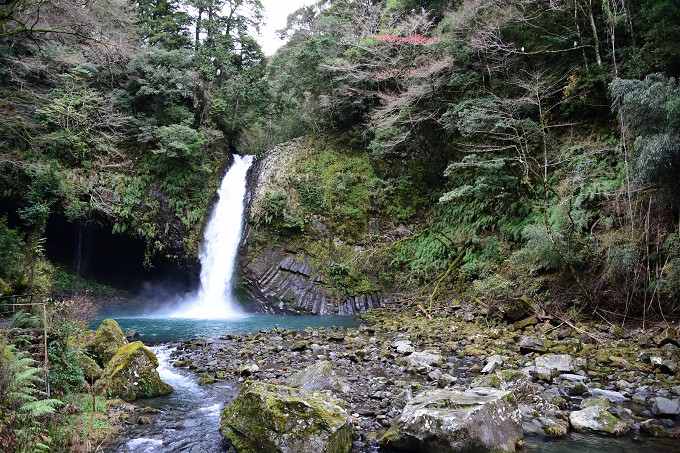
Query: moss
(107, 339)
(206, 379)
(391, 437)
(263, 412)
(132, 374)
(491, 380)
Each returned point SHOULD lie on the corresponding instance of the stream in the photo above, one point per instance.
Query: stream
(188, 419)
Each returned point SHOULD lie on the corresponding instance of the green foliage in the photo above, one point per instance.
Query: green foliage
(650, 110)
(12, 256)
(22, 402)
(274, 213)
(66, 374)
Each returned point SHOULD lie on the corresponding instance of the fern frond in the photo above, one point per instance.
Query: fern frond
(40, 407)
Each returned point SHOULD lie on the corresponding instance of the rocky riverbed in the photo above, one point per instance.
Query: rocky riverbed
(587, 378)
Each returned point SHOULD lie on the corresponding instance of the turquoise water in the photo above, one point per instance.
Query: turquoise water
(157, 329)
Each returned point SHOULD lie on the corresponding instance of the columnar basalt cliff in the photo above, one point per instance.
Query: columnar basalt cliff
(295, 269)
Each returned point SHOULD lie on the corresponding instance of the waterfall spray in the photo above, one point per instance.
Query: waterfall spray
(214, 299)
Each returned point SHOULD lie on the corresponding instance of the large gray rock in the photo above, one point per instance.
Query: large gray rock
(481, 419)
(279, 419)
(664, 406)
(562, 363)
(595, 416)
(532, 344)
(316, 377)
(403, 346)
(540, 416)
(426, 358)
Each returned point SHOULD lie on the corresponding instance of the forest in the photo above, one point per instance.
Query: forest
(510, 152)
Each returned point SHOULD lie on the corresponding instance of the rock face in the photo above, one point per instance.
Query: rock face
(107, 340)
(290, 277)
(481, 419)
(280, 283)
(280, 419)
(131, 374)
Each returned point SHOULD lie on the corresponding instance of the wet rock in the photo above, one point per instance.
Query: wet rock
(107, 340)
(131, 374)
(319, 376)
(595, 416)
(445, 420)
(532, 344)
(665, 407)
(280, 419)
(612, 396)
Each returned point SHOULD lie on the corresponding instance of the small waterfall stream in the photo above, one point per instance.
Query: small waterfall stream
(214, 299)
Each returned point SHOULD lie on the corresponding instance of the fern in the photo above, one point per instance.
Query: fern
(23, 400)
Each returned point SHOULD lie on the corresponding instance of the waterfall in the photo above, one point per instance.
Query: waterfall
(214, 299)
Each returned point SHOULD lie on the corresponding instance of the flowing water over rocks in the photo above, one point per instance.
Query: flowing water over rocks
(187, 420)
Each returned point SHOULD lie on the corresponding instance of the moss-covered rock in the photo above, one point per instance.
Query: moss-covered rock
(595, 416)
(91, 369)
(280, 419)
(482, 419)
(131, 374)
(107, 340)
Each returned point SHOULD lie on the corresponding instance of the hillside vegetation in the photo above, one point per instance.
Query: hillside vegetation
(512, 151)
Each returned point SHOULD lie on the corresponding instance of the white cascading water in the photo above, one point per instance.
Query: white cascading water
(219, 250)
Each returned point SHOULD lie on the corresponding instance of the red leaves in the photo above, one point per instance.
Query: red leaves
(417, 40)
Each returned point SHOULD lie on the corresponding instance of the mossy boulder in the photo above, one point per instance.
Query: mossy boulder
(595, 417)
(131, 374)
(281, 419)
(107, 340)
(91, 369)
(481, 419)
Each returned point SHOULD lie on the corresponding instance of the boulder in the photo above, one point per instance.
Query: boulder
(532, 344)
(561, 363)
(281, 419)
(666, 336)
(665, 407)
(316, 377)
(426, 358)
(595, 416)
(492, 364)
(107, 340)
(91, 369)
(482, 419)
(131, 374)
(403, 347)
(540, 416)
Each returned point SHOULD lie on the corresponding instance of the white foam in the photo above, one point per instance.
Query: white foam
(219, 250)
